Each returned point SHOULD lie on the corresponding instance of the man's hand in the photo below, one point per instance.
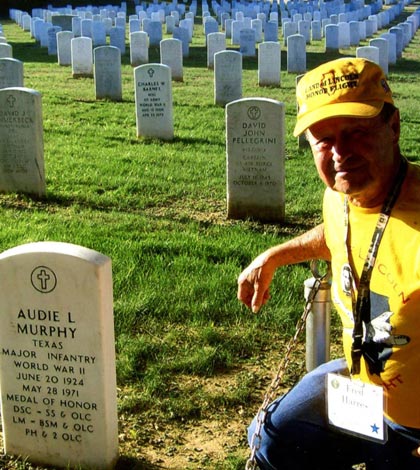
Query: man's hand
(254, 283)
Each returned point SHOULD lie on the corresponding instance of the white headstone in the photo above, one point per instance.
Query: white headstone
(382, 45)
(392, 47)
(247, 42)
(255, 129)
(171, 55)
(57, 361)
(98, 34)
(64, 47)
(52, 39)
(332, 42)
(354, 33)
(139, 48)
(316, 30)
(107, 73)
(183, 35)
(271, 31)
(153, 96)
(289, 29)
(11, 73)
(81, 57)
(216, 42)
(269, 64)
(6, 50)
(296, 54)
(155, 33)
(76, 25)
(21, 142)
(117, 38)
(368, 52)
(304, 29)
(343, 35)
(86, 28)
(227, 77)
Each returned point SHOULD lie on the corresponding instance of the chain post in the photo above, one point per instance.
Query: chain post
(318, 321)
(275, 384)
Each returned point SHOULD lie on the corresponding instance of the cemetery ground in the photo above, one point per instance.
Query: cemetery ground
(192, 363)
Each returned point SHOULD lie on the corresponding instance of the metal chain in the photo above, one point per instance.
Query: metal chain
(269, 396)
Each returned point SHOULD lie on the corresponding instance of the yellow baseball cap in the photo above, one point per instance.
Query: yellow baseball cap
(346, 87)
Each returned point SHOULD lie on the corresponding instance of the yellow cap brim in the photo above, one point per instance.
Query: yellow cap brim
(368, 109)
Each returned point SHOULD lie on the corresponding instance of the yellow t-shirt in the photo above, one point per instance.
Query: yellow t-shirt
(392, 336)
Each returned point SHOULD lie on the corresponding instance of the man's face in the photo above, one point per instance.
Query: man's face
(357, 157)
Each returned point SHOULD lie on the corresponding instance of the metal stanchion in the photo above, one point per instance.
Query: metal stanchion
(318, 320)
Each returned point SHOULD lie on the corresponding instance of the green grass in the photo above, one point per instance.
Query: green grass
(158, 210)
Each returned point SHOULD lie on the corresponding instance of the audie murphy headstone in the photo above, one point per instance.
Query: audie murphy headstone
(255, 159)
(153, 97)
(57, 356)
(21, 142)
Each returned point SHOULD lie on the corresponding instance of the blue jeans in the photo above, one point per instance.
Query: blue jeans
(296, 434)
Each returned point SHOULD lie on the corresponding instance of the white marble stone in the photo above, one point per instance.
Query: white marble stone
(57, 361)
(269, 64)
(139, 48)
(82, 57)
(21, 142)
(64, 47)
(11, 72)
(227, 77)
(153, 97)
(216, 42)
(296, 54)
(171, 55)
(107, 73)
(6, 51)
(255, 129)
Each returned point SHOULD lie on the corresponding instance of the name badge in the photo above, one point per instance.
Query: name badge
(356, 407)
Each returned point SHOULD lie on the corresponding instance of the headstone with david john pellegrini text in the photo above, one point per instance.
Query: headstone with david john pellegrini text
(21, 142)
(153, 97)
(57, 356)
(255, 130)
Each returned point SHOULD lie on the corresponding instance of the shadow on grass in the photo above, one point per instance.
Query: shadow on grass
(131, 463)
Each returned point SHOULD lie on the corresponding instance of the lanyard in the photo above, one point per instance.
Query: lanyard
(361, 303)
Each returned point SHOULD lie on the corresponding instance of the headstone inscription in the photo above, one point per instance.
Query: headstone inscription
(153, 97)
(255, 129)
(57, 356)
(21, 142)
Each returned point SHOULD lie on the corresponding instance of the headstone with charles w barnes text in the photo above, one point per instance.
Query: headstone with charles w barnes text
(153, 98)
(255, 129)
(57, 356)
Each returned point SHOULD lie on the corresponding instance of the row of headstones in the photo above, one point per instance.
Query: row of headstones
(154, 114)
(78, 53)
(383, 50)
(97, 31)
(153, 94)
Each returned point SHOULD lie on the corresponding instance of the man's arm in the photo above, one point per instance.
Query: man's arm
(255, 280)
